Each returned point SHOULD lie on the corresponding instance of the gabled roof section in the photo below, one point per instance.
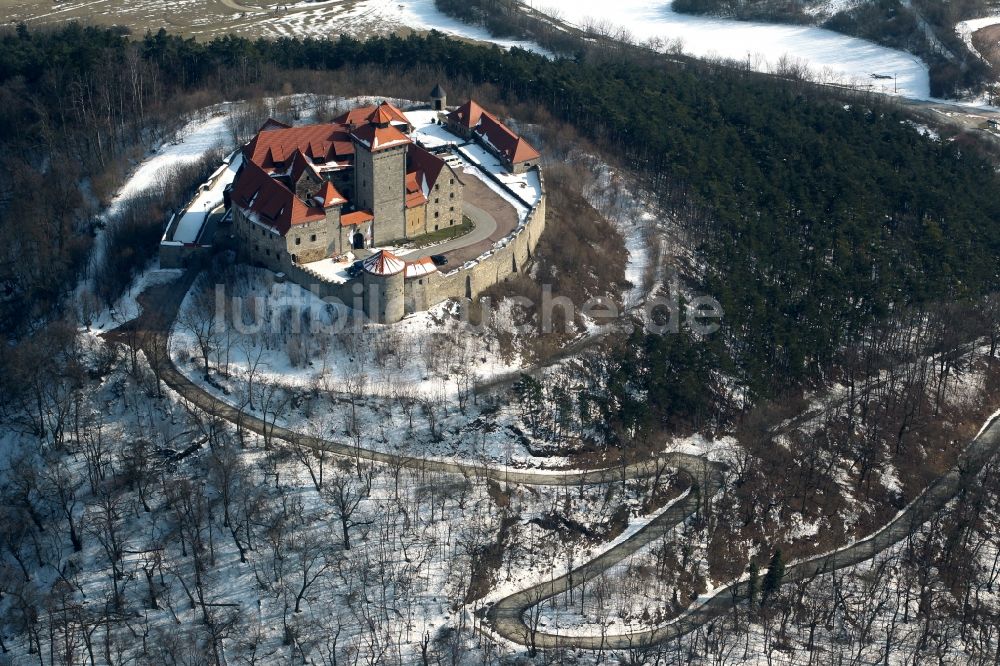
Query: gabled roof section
(272, 124)
(416, 194)
(505, 141)
(438, 91)
(428, 165)
(376, 138)
(301, 165)
(321, 142)
(270, 203)
(361, 115)
(329, 196)
(357, 217)
(384, 262)
(467, 115)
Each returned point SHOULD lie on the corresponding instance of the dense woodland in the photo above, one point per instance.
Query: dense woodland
(843, 244)
(814, 221)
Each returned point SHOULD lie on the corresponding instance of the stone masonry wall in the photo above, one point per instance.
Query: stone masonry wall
(444, 203)
(498, 266)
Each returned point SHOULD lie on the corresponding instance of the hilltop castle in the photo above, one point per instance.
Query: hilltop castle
(317, 191)
(307, 201)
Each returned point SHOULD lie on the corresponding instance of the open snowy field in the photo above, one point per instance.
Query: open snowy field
(834, 57)
(206, 18)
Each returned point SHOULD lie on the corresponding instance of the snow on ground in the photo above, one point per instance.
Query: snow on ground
(330, 269)
(834, 57)
(526, 186)
(373, 17)
(209, 197)
(427, 132)
(208, 130)
(699, 445)
(966, 29)
(924, 130)
(635, 219)
(828, 8)
(470, 158)
(333, 345)
(126, 308)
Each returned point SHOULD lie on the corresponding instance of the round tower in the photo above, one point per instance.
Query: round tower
(383, 280)
(439, 98)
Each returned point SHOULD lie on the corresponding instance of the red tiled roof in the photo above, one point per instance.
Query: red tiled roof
(380, 116)
(301, 165)
(329, 196)
(362, 115)
(379, 138)
(323, 142)
(467, 115)
(384, 262)
(510, 145)
(426, 165)
(269, 201)
(414, 199)
(357, 217)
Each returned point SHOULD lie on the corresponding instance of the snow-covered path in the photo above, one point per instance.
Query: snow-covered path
(506, 617)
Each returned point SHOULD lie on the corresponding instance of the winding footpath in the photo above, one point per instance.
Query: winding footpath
(506, 618)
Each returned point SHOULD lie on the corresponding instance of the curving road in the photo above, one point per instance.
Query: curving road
(506, 618)
(484, 226)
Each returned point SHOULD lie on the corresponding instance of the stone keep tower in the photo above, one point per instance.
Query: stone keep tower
(380, 175)
(383, 279)
(439, 98)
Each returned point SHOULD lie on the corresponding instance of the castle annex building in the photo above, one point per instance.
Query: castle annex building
(360, 208)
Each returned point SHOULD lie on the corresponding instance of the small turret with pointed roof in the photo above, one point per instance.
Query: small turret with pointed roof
(381, 116)
(439, 98)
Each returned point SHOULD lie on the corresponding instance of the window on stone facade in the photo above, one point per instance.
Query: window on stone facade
(437, 186)
(451, 196)
(451, 209)
(312, 239)
(436, 200)
(298, 241)
(451, 181)
(437, 214)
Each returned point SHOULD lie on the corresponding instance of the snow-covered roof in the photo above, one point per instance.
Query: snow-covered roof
(420, 267)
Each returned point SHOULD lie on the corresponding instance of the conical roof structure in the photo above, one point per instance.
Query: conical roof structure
(384, 263)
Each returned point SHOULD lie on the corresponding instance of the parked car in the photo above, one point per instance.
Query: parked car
(354, 270)
(439, 259)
